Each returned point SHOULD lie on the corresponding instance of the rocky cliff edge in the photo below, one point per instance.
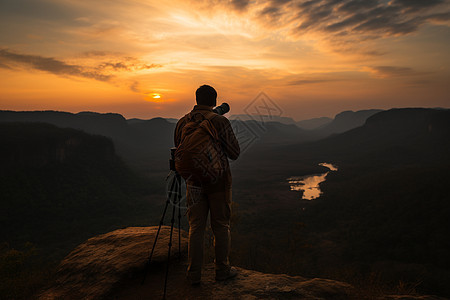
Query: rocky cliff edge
(112, 266)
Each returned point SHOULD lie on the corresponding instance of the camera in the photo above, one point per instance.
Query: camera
(222, 109)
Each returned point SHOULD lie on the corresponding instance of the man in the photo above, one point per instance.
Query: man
(213, 197)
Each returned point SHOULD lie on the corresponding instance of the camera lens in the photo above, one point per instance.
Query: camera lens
(222, 109)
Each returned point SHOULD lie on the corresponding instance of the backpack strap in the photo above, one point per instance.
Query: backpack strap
(209, 115)
(206, 116)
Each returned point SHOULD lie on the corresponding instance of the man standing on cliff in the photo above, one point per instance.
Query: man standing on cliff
(210, 197)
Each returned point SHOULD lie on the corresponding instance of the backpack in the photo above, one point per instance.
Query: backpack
(199, 156)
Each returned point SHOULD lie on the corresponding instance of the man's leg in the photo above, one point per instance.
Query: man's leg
(220, 208)
(197, 216)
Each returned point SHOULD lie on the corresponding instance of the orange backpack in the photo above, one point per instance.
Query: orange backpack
(199, 156)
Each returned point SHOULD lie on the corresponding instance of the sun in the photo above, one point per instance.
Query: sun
(153, 97)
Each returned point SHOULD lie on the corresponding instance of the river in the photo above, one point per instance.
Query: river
(309, 184)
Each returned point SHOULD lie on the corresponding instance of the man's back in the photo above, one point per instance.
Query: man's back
(209, 198)
(227, 139)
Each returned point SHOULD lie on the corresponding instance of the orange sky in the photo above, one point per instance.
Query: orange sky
(312, 58)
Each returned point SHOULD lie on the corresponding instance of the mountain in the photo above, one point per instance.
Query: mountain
(397, 135)
(109, 124)
(60, 184)
(262, 118)
(313, 123)
(142, 143)
(145, 144)
(345, 121)
(37, 145)
(251, 133)
(136, 120)
(386, 208)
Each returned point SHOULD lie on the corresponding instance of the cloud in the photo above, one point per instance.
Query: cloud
(49, 64)
(240, 5)
(135, 87)
(123, 66)
(308, 81)
(94, 53)
(418, 4)
(355, 6)
(391, 71)
(102, 71)
(3, 66)
(346, 20)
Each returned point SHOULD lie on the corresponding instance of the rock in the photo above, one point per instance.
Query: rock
(94, 267)
(247, 285)
(409, 297)
(112, 266)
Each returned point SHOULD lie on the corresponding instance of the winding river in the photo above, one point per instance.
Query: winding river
(309, 184)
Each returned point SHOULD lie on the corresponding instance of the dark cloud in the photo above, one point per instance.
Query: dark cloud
(49, 64)
(47, 11)
(126, 66)
(439, 17)
(381, 24)
(374, 53)
(308, 81)
(115, 66)
(390, 71)
(344, 18)
(9, 59)
(94, 53)
(135, 87)
(420, 82)
(3, 66)
(239, 5)
(347, 22)
(271, 10)
(357, 5)
(418, 4)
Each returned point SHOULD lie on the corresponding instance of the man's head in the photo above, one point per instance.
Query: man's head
(206, 95)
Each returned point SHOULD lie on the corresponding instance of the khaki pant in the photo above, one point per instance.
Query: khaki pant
(218, 203)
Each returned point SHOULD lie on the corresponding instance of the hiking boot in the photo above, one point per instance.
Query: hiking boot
(231, 274)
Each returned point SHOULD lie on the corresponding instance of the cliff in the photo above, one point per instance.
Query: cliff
(95, 267)
(111, 266)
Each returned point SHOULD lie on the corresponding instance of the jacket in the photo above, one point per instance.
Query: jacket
(227, 139)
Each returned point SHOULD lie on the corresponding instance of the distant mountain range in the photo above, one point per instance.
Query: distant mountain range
(342, 122)
(345, 121)
(141, 142)
(262, 118)
(313, 123)
(408, 134)
(146, 143)
(385, 210)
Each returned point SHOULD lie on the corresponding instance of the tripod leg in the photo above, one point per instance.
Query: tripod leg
(179, 216)
(172, 221)
(161, 222)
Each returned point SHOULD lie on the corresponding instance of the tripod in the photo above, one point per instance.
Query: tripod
(174, 192)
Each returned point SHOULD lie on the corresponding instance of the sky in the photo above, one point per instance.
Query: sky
(146, 58)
